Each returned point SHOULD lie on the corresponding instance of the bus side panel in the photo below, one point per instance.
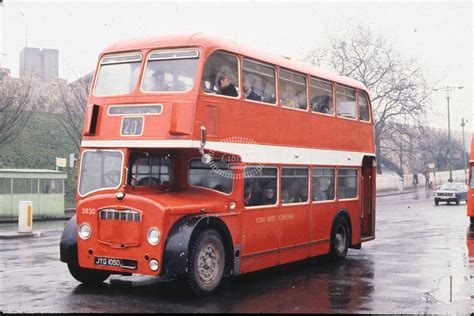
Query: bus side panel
(295, 128)
(294, 232)
(259, 238)
(320, 218)
(366, 133)
(250, 264)
(260, 123)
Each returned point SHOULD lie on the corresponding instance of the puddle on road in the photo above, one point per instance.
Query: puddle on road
(451, 288)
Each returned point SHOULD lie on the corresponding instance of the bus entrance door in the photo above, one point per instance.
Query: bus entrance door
(367, 214)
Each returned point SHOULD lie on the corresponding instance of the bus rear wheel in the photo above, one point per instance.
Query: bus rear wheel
(340, 239)
(87, 276)
(206, 263)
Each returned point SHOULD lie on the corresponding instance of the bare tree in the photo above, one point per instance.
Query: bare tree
(15, 106)
(399, 148)
(398, 88)
(73, 101)
(433, 146)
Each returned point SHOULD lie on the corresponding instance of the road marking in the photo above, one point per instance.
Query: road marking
(19, 270)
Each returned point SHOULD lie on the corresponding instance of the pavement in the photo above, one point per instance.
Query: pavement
(9, 230)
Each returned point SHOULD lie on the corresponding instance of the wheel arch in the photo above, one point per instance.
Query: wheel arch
(175, 254)
(68, 244)
(343, 213)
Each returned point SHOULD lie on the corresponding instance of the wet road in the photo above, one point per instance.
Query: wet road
(407, 269)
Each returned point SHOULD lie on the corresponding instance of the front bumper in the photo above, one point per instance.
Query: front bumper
(446, 198)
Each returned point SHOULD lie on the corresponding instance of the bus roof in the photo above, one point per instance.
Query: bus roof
(212, 42)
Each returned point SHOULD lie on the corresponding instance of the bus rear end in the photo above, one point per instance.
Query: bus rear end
(470, 194)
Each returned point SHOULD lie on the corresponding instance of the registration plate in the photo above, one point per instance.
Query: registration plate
(115, 262)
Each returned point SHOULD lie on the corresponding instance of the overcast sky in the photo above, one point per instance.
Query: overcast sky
(437, 34)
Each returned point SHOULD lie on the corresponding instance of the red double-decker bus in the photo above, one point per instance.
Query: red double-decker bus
(470, 192)
(202, 159)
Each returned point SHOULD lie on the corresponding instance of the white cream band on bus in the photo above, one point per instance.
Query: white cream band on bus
(253, 153)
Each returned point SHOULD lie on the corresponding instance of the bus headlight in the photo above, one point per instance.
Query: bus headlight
(154, 236)
(154, 265)
(85, 231)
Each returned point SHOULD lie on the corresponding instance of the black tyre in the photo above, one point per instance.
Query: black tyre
(436, 201)
(87, 276)
(340, 239)
(472, 219)
(206, 263)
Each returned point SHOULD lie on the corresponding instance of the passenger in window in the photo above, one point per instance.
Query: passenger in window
(286, 198)
(301, 98)
(322, 104)
(249, 93)
(269, 196)
(321, 196)
(287, 98)
(159, 81)
(226, 87)
(330, 191)
(257, 193)
(248, 197)
(347, 190)
(269, 93)
(303, 195)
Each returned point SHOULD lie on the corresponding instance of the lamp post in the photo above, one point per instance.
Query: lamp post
(463, 123)
(448, 89)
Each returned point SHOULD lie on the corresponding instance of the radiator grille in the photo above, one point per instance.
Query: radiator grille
(123, 215)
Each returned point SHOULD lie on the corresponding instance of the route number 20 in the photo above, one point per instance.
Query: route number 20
(132, 126)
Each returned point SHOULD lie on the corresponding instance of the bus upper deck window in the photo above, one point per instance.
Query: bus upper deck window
(321, 96)
(293, 90)
(259, 82)
(345, 102)
(221, 75)
(118, 74)
(363, 107)
(170, 70)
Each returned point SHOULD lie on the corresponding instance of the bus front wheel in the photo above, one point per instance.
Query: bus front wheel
(472, 219)
(206, 263)
(87, 276)
(340, 239)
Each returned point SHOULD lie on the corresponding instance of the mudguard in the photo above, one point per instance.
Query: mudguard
(68, 244)
(175, 257)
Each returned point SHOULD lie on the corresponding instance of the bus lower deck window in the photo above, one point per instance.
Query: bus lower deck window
(323, 188)
(347, 183)
(294, 185)
(150, 169)
(260, 186)
(216, 176)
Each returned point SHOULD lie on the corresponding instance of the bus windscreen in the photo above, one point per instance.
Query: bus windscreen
(170, 71)
(118, 74)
